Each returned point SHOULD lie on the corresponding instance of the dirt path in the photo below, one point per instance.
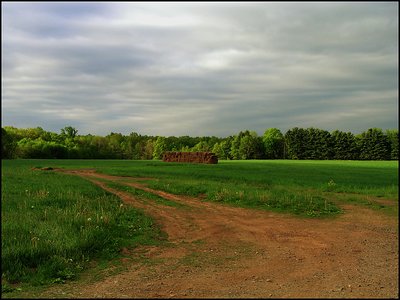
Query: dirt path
(220, 251)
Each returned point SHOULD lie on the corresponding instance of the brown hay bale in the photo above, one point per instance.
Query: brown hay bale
(190, 157)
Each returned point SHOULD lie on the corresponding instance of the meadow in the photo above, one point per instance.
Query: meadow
(54, 225)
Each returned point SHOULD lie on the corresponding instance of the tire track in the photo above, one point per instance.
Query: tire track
(237, 252)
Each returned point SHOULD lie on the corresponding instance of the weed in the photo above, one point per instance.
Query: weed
(331, 185)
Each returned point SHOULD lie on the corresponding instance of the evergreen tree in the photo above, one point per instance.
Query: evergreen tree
(295, 143)
(344, 146)
(393, 137)
(374, 145)
(317, 144)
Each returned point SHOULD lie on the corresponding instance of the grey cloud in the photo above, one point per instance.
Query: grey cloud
(200, 68)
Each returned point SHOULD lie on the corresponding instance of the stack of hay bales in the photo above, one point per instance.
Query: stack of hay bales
(191, 157)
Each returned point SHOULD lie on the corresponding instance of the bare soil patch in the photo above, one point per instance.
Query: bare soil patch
(221, 251)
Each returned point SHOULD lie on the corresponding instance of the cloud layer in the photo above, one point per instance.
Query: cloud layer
(199, 68)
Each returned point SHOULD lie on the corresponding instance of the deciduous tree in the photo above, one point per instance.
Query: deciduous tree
(273, 140)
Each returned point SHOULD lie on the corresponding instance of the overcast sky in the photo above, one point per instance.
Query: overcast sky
(197, 68)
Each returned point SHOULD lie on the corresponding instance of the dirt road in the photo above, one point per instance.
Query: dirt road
(220, 251)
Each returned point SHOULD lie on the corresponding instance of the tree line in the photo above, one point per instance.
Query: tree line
(296, 143)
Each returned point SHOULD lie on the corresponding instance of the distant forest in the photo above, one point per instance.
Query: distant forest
(296, 143)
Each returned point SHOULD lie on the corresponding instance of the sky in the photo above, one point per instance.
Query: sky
(199, 68)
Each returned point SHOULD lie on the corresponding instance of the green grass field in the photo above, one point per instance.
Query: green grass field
(53, 224)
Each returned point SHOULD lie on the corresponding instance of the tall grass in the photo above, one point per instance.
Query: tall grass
(54, 224)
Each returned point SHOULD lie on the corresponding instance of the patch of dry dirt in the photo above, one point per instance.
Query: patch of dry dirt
(220, 251)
